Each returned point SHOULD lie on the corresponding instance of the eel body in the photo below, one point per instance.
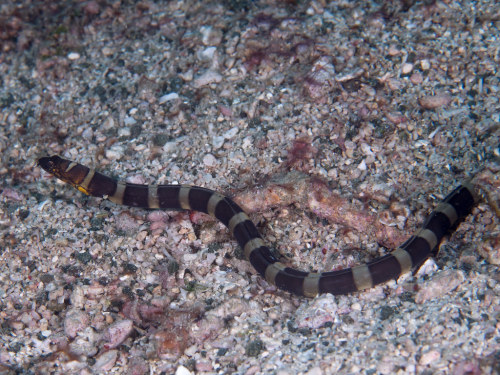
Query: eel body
(409, 255)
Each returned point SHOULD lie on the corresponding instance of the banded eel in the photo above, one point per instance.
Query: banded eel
(409, 255)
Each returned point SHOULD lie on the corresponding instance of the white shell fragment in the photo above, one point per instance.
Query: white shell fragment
(73, 56)
(210, 76)
(168, 97)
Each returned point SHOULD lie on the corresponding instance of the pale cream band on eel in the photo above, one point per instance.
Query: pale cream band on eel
(403, 258)
(236, 219)
(86, 182)
(272, 270)
(213, 202)
(311, 284)
(429, 236)
(362, 277)
(184, 197)
(153, 201)
(117, 197)
(252, 245)
(449, 211)
(70, 166)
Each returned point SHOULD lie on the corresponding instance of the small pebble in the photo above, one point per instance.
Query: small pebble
(124, 131)
(210, 36)
(226, 111)
(210, 76)
(217, 142)
(187, 76)
(315, 371)
(129, 120)
(393, 50)
(77, 297)
(394, 84)
(105, 361)
(73, 55)
(247, 142)
(46, 333)
(204, 366)
(434, 101)
(74, 322)
(416, 78)
(429, 357)
(106, 51)
(207, 54)
(12, 118)
(170, 146)
(118, 332)
(209, 160)
(168, 97)
(205, 32)
(88, 133)
(439, 285)
(406, 68)
(366, 149)
(356, 306)
(231, 133)
(115, 152)
(362, 165)
(425, 64)
(181, 370)
(386, 366)
(92, 8)
(349, 148)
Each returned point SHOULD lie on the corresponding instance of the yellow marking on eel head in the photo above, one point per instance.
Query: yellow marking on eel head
(82, 189)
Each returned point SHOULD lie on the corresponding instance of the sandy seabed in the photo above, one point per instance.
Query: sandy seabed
(327, 121)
